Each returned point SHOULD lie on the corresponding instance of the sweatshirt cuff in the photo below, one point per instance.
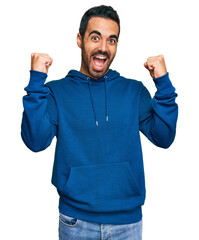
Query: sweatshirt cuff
(37, 80)
(163, 83)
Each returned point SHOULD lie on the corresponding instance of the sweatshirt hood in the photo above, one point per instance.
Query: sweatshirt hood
(110, 75)
(84, 79)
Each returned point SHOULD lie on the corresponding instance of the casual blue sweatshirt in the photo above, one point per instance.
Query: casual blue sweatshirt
(98, 167)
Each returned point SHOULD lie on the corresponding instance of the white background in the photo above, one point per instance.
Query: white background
(29, 202)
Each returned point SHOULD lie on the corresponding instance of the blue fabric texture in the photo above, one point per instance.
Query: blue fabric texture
(98, 167)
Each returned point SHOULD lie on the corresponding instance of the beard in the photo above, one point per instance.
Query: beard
(86, 63)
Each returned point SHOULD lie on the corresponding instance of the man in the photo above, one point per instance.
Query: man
(96, 116)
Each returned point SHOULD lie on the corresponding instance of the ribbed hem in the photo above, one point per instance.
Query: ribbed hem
(163, 84)
(163, 76)
(37, 80)
(127, 217)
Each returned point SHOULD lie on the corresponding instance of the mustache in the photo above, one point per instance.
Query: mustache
(101, 53)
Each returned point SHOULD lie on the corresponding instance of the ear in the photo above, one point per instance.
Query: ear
(79, 40)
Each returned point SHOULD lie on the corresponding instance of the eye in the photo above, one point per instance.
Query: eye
(112, 41)
(95, 38)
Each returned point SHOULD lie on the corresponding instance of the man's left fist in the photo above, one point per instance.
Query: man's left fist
(156, 66)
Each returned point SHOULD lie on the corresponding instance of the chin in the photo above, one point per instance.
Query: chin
(98, 74)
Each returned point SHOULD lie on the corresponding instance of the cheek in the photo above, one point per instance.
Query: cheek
(113, 52)
(89, 48)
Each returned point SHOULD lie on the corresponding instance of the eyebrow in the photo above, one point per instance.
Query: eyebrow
(98, 33)
(114, 36)
(95, 31)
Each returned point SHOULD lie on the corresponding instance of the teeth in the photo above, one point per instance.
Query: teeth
(100, 57)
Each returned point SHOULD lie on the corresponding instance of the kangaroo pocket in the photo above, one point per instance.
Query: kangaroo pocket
(103, 187)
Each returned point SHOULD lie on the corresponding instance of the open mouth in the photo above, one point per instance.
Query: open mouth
(99, 62)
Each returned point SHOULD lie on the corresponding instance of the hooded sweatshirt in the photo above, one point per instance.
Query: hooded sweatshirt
(98, 165)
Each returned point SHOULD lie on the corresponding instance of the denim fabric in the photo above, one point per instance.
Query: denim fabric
(75, 229)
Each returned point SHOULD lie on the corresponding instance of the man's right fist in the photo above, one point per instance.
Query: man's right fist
(40, 62)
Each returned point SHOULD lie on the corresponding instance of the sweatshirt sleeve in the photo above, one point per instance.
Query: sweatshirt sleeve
(158, 115)
(39, 120)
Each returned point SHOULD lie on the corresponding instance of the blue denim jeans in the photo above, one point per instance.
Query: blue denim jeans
(75, 229)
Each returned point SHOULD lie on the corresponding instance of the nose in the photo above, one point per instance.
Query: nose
(103, 46)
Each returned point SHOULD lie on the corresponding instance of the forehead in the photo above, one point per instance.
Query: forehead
(103, 25)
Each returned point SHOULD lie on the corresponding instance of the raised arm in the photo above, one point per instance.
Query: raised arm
(39, 120)
(158, 115)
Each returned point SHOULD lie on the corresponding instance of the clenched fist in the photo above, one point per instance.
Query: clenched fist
(40, 62)
(156, 66)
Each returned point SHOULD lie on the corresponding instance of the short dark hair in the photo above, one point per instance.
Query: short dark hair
(100, 11)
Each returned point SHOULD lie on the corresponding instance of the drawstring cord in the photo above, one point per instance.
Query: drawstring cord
(106, 99)
(89, 83)
(105, 78)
